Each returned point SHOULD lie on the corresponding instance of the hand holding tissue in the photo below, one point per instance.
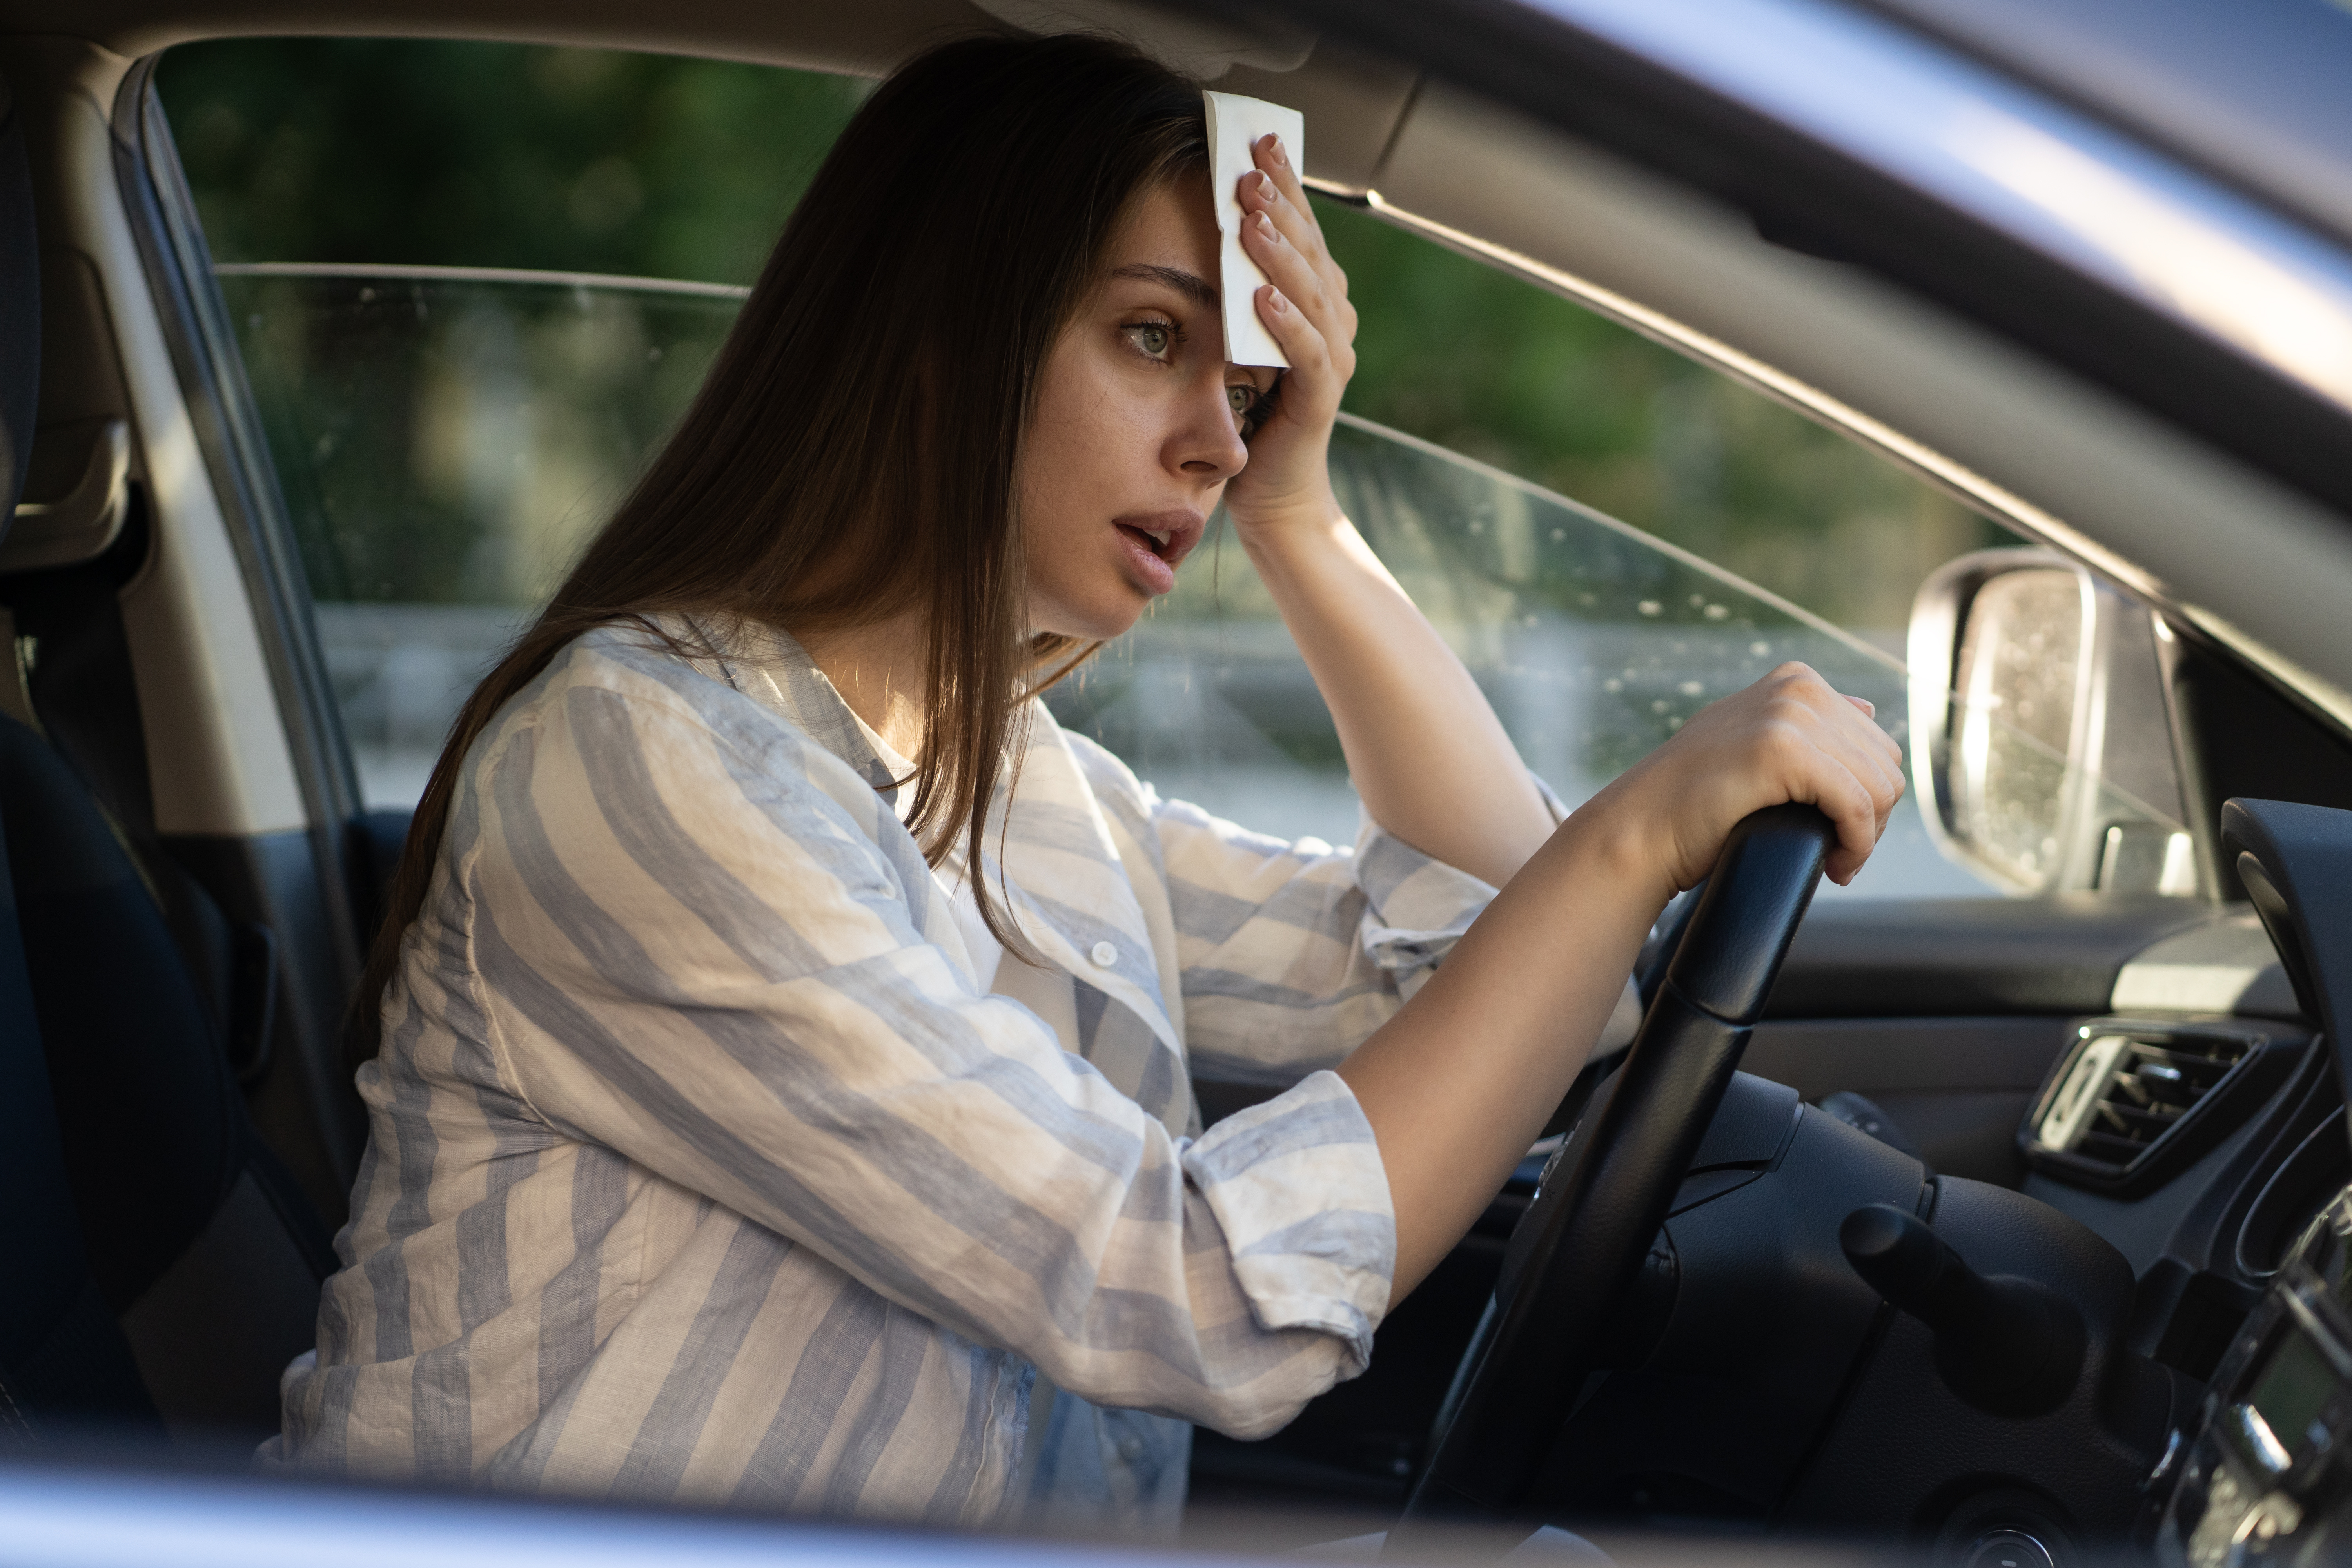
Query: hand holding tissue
(1235, 125)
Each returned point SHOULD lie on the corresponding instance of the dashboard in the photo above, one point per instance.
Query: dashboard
(2202, 1130)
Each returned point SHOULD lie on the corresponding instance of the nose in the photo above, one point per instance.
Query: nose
(1206, 445)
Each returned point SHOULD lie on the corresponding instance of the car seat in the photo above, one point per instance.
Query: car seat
(166, 1267)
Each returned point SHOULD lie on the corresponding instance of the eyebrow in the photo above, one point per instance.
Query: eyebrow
(1190, 284)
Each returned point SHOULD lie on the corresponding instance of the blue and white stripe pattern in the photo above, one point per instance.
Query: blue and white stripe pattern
(699, 1168)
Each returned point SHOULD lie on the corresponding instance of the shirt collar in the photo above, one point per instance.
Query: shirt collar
(1051, 849)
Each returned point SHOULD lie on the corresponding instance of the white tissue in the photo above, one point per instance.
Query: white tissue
(1235, 124)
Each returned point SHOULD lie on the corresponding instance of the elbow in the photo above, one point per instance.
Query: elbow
(1247, 1421)
(1266, 1404)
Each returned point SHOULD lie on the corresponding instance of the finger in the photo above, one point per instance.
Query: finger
(1273, 160)
(1302, 288)
(1877, 755)
(1285, 267)
(1846, 801)
(1305, 391)
(1879, 774)
(1851, 785)
(1261, 192)
(1276, 190)
(1874, 753)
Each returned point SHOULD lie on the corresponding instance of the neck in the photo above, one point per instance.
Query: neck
(878, 670)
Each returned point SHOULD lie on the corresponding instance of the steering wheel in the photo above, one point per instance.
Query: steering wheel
(1606, 1193)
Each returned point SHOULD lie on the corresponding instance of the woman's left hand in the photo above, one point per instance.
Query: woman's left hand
(1305, 307)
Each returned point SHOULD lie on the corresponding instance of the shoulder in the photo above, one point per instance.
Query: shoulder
(631, 716)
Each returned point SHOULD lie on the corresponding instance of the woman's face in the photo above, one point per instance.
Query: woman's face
(1137, 425)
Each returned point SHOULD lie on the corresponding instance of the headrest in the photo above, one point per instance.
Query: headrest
(20, 310)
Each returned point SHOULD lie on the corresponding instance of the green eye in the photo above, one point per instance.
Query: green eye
(1152, 339)
(1242, 399)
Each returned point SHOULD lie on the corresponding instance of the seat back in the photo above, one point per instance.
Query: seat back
(163, 1262)
(62, 1357)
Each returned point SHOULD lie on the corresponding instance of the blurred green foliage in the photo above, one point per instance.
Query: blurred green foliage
(503, 155)
(496, 155)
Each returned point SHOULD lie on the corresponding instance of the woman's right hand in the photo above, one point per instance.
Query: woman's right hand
(1789, 737)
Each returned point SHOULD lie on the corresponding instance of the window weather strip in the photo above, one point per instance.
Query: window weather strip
(364, 271)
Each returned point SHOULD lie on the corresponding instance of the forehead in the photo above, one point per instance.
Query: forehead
(1171, 224)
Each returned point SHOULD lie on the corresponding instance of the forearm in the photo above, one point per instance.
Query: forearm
(1427, 753)
(1460, 1082)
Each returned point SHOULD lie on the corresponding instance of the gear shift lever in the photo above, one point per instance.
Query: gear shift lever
(2005, 1344)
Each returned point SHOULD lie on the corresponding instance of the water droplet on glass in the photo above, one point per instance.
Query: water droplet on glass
(1651, 607)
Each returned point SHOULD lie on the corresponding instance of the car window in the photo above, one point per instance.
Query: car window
(1610, 534)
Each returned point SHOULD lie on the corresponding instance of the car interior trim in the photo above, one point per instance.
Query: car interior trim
(2228, 967)
(228, 429)
(2078, 191)
(218, 741)
(2188, 76)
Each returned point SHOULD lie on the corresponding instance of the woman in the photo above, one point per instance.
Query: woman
(784, 1028)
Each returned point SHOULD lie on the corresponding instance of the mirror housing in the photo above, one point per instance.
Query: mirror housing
(2042, 738)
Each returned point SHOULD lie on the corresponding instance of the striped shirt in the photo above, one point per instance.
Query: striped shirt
(701, 1166)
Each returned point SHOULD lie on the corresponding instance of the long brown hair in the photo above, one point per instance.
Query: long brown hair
(853, 454)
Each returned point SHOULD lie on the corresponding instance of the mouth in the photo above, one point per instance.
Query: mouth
(1167, 536)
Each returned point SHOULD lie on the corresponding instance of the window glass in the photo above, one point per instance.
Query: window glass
(450, 420)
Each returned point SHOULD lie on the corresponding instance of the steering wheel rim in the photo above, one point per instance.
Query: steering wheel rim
(1605, 1195)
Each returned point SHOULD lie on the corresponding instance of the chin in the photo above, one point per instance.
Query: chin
(1102, 628)
(1103, 620)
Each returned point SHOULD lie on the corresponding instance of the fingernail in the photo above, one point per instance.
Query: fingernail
(1275, 147)
(1275, 302)
(1265, 191)
(1264, 225)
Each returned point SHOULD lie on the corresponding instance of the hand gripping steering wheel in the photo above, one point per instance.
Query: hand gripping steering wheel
(1604, 1196)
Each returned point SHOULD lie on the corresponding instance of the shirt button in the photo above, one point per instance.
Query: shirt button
(1104, 955)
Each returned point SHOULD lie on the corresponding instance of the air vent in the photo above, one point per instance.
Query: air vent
(2127, 1093)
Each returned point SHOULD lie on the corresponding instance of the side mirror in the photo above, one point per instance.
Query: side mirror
(2041, 734)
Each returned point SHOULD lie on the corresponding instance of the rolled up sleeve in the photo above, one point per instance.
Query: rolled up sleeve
(1292, 953)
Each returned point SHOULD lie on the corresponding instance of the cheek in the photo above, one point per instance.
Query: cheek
(1088, 445)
